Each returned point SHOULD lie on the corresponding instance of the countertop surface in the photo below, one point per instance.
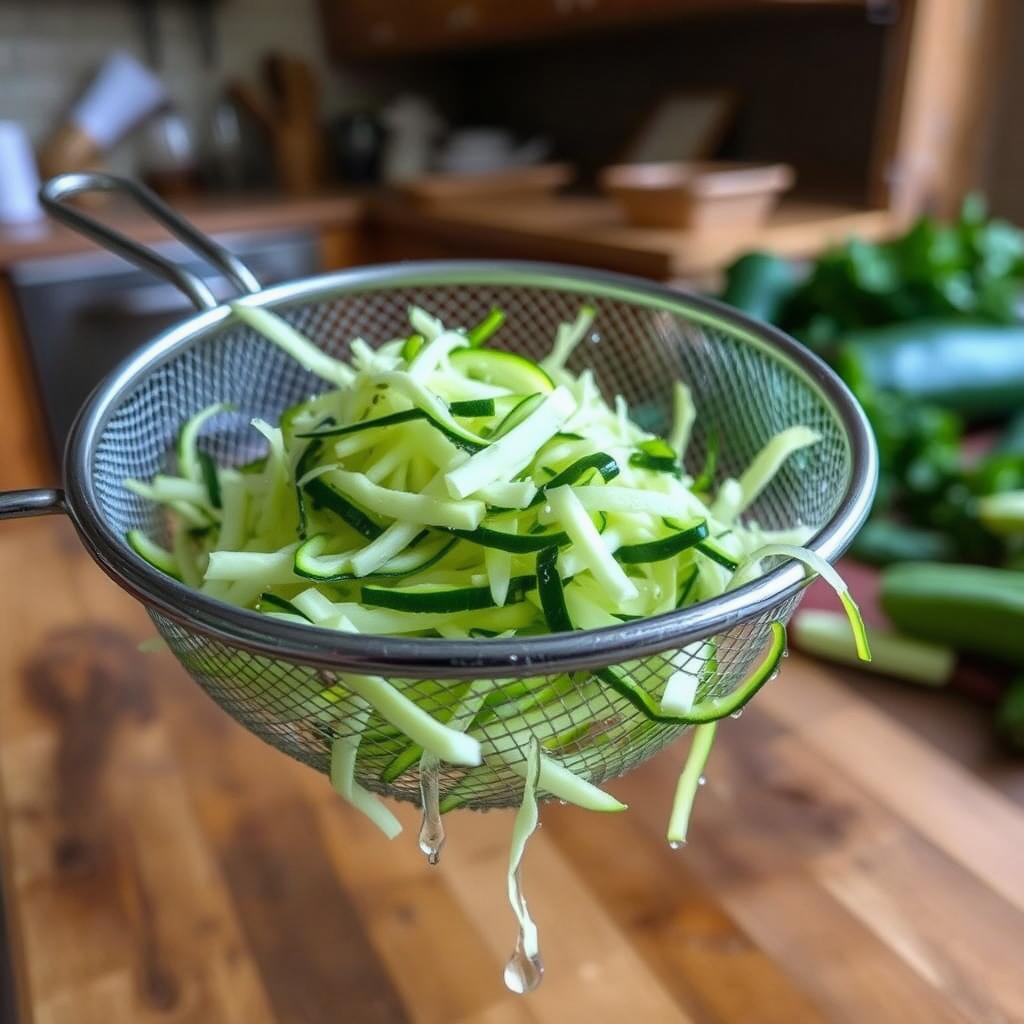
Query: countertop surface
(592, 230)
(161, 864)
(564, 228)
(213, 215)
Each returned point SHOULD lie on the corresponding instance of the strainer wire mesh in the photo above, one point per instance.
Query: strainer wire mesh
(744, 392)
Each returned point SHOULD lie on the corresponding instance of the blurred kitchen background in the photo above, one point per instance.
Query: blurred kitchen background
(848, 169)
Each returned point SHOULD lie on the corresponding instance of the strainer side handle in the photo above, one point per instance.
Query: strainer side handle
(36, 502)
(56, 192)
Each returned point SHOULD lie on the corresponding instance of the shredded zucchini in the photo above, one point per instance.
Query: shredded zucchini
(442, 488)
(344, 752)
(690, 781)
(525, 824)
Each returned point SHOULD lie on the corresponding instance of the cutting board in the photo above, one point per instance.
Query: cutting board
(160, 864)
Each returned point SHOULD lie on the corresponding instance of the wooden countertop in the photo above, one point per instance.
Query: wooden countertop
(592, 231)
(569, 229)
(213, 215)
(162, 864)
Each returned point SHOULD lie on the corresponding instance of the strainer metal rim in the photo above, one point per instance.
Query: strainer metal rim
(426, 657)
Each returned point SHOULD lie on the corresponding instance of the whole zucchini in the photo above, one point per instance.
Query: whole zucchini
(1010, 715)
(968, 607)
(974, 368)
(883, 542)
(759, 285)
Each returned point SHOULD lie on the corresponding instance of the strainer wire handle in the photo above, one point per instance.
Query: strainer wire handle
(36, 502)
(55, 194)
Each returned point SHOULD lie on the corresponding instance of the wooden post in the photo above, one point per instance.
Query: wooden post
(937, 100)
(25, 459)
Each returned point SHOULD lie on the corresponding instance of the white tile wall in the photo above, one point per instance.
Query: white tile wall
(50, 48)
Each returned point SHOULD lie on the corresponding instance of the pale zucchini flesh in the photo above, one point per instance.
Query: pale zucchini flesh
(435, 490)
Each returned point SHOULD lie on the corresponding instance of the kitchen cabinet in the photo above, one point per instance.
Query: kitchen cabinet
(919, 98)
(373, 28)
(592, 232)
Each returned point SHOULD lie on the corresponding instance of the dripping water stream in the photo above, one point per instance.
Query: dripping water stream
(431, 829)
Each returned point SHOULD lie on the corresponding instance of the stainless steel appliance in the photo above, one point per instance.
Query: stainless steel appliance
(82, 314)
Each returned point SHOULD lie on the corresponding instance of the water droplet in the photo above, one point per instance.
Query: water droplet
(547, 510)
(564, 803)
(431, 836)
(523, 973)
(737, 714)
(702, 781)
(677, 844)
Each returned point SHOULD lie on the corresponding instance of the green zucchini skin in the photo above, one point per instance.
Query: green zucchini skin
(331, 498)
(665, 547)
(759, 284)
(601, 461)
(444, 599)
(883, 542)
(479, 334)
(1010, 716)
(717, 554)
(973, 608)
(516, 543)
(973, 368)
(552, 597)
(272, 603)
(519, 374)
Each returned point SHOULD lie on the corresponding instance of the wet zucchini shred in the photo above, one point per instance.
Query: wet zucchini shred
(443, 487)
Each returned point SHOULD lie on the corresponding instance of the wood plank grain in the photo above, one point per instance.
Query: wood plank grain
(973, 824)
(946, 925)
(120, 910)
(592, 968)
(122, 883)
(300, 921)
(760, 825)
(849, 970)
(166, 865)
(302, 925)
(675, 920)
(954, 929)
(437, 957)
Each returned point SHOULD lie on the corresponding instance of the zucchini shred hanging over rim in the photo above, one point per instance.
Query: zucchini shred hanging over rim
(447, 488)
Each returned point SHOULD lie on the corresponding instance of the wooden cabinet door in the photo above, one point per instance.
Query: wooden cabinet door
(376, 27)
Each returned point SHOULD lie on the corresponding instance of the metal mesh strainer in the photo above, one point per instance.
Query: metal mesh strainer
(749, 381)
